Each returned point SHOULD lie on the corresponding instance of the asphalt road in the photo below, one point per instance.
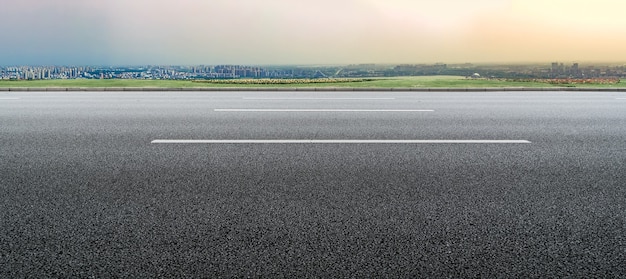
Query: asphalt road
(85, 193)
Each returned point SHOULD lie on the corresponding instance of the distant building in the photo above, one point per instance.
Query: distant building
(557, 69)
(575, 71)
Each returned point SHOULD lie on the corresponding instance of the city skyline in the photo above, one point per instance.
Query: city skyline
(192, 32)
(554, 70)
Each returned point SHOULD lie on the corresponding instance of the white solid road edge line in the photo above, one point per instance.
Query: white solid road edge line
(309, 141)
(10, 98)
(323, 110)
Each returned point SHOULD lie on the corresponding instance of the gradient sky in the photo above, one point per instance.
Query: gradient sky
(129, 32)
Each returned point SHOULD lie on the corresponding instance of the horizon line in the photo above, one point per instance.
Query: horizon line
(316, 64)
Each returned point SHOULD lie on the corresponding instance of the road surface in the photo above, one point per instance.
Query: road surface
(312, 184)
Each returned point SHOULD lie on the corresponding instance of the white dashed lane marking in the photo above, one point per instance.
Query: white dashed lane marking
(319, 98)
(310, 141)
(323, 110)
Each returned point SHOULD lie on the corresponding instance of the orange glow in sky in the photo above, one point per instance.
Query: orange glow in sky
(314, 31)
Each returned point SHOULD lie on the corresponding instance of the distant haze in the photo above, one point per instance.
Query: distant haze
(125, 32)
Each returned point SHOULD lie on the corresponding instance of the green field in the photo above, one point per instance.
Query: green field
(393, 82)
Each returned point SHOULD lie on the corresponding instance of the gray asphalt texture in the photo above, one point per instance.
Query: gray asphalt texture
(83, 192)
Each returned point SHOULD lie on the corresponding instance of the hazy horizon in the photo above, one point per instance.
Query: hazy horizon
(322, 32)
(505, 63)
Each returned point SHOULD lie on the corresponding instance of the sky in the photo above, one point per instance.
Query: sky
(312, 32)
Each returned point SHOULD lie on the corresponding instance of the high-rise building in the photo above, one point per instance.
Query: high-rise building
(574, 71)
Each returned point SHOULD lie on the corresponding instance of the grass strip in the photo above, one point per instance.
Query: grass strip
(392, 82)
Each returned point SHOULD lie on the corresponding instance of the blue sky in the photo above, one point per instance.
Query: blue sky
(127, 32)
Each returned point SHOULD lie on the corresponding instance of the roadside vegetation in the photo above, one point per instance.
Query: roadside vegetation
(275, 81)
(392, 82)
(570, 81)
